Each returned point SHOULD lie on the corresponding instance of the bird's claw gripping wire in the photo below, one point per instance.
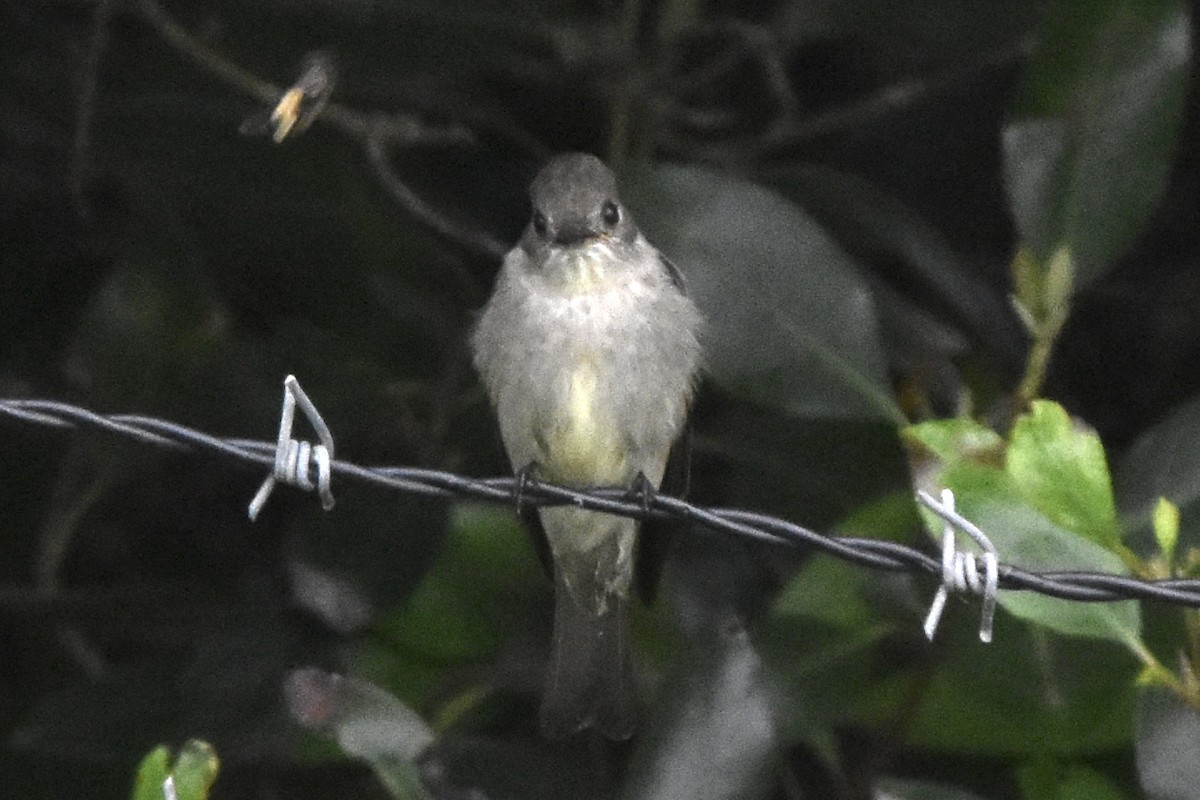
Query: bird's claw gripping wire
(643, 490)
(293, 458)
(525, 476)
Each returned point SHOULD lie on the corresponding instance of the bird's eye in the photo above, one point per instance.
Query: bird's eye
(540, 225)
(611, 214)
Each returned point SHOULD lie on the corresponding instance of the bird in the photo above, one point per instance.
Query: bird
(589, 348)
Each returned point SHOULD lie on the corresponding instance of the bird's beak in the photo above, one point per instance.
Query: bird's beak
(574, 233)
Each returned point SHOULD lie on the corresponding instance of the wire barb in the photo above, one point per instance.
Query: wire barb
(294, 458)
(960, 572)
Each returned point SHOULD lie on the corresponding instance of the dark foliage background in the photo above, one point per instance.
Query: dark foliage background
(850, 186)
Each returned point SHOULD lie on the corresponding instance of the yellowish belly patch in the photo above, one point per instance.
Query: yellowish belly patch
(584, 446)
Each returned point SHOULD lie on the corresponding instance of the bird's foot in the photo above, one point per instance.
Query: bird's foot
(525, 475)
(643, 490)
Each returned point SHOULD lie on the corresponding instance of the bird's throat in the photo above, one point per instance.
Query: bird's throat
(585, 269)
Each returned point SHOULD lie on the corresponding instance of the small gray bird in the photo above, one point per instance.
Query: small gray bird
(589, 350)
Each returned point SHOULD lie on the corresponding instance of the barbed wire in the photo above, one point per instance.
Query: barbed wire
(294, 463)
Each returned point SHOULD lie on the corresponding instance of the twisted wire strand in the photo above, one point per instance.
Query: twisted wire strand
(1086, 587)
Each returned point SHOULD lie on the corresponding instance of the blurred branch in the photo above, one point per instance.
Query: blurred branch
(78, 488)
(179, 38)
(376, 131)
(627, 89)
(759, 44)
(375, 147)
(86, 110)
(793, 128)
(896, 97)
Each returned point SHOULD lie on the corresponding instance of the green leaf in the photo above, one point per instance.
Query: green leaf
(1164, 462)
(476, 592)
(790, 321)
(1045, 779)
(1046, 509)
(890, 516)
(1042, 290)
(1166, 527)
(1093, 133)
(366, 722)
(952, 441)
(152, 773)
(1025, 692)
(1081, 783)
(821, 643)
(193, 772)
(826, 590)
(1039, 779)
(875, 224)
(1060, 470)
(1026, 538)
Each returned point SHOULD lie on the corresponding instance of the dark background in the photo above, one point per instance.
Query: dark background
(155, 260)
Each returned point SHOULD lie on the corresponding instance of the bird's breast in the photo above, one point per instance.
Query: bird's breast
(593, 373)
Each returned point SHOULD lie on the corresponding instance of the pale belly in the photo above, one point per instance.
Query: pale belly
(582, 442)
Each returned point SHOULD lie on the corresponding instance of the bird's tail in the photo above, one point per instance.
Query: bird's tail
(590, 679)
